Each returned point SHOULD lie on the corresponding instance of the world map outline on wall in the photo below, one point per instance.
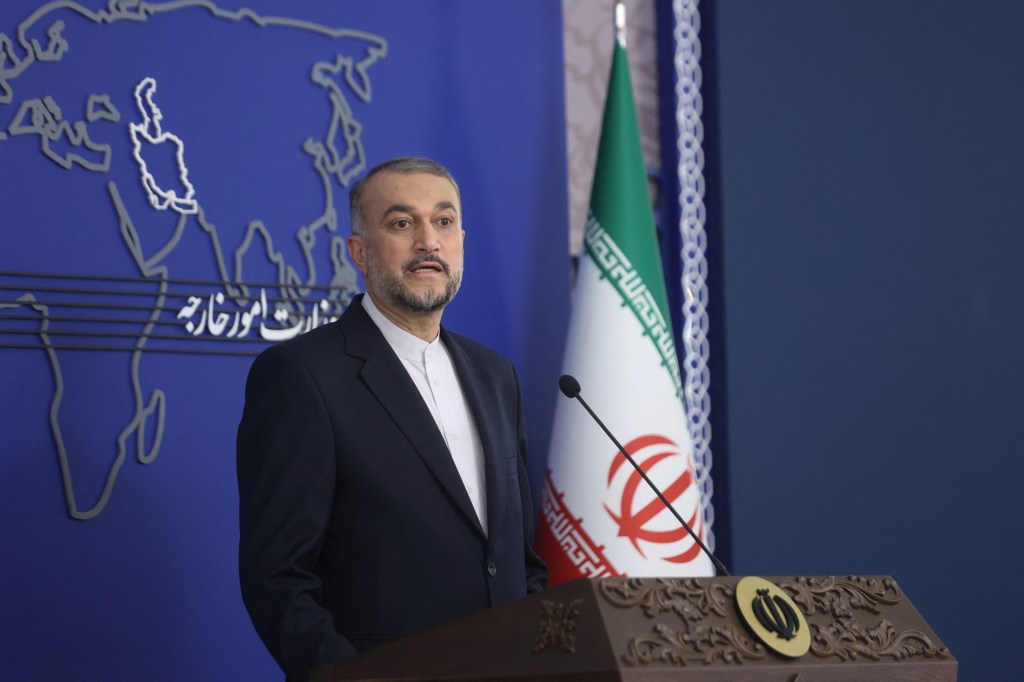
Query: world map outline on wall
(132, 140)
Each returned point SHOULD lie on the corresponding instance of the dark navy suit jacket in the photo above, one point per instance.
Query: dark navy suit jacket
(356, 528)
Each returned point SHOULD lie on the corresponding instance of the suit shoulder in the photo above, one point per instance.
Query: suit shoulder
(474, 347)
(478, 353)
(324, 341)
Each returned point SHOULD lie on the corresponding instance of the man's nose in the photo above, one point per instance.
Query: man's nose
(427, 238)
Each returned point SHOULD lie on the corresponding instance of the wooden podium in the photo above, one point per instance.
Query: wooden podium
(860, 628)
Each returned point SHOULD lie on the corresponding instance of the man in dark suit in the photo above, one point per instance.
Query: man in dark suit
(382, 458)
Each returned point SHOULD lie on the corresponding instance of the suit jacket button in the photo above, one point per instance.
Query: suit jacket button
(491, 568)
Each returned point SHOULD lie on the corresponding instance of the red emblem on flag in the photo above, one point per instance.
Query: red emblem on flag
(649, 451)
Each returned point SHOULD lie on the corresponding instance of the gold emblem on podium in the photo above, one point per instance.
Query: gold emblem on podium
(773, 616)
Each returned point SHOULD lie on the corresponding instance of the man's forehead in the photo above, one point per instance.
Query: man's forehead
(395, 187)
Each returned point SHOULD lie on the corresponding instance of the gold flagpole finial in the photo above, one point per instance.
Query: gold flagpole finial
(620, 22)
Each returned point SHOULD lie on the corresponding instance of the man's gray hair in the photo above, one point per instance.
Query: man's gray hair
(405, 165)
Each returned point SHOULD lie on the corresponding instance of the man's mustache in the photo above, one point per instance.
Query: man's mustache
(419, 260)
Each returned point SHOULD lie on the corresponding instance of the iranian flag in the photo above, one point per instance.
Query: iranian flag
(599, 518)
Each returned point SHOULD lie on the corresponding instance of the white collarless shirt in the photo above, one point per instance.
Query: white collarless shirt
(430, 367)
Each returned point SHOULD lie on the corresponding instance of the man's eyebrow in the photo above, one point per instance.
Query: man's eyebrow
(406, 208)
(398, 208)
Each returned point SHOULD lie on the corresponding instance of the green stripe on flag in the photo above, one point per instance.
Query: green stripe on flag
(620, 236)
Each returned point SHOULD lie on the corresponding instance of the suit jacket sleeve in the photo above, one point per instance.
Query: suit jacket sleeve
(536, 570)
(286, 477)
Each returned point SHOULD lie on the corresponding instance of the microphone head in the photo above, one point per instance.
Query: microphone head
(570, 387)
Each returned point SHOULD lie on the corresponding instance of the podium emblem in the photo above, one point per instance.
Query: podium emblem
(773, 616)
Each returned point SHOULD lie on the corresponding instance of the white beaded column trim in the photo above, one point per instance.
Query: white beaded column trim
(689, 106)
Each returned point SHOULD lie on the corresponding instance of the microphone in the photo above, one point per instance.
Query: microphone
(571, 389)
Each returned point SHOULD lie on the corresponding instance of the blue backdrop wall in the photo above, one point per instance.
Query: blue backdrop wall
(184, 168)
(865, 233)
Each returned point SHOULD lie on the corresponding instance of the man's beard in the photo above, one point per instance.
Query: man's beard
(393, 289)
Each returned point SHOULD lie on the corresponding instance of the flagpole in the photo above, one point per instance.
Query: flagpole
(620, 23)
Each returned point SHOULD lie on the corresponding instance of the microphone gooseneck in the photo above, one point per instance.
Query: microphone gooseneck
(571, 388)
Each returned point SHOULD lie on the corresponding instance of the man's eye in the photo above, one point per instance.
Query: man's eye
(401, 224)
(445, 222)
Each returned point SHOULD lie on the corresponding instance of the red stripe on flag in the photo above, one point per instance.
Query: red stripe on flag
(569, 551)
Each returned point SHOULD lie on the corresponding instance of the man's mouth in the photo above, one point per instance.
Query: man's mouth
(426, 265)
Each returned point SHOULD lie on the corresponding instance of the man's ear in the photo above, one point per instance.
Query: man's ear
(357, 250)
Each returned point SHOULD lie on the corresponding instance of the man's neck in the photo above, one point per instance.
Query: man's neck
(425, 326)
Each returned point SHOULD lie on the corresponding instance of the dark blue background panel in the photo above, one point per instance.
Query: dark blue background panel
(868, 233)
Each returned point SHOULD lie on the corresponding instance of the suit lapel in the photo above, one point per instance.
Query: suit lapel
(479, 388)
(390, 383)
